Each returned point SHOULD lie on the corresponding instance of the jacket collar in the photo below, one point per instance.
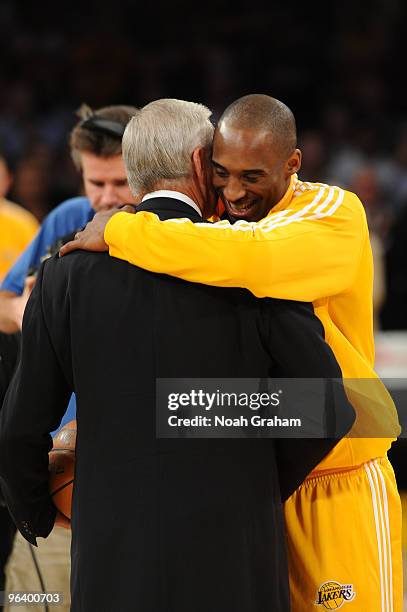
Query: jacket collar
(170, 208)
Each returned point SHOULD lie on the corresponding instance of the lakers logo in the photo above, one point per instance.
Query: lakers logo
(332, 595)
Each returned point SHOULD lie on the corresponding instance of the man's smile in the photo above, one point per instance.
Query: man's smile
(241, 209)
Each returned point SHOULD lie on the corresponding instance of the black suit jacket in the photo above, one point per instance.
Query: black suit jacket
(158, 525)
(9, 347)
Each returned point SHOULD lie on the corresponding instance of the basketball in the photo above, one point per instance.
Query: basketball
(65, 439)
(61, 468)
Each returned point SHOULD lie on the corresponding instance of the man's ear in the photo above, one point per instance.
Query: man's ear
(199, 164)
(203, 180)
(294, 162)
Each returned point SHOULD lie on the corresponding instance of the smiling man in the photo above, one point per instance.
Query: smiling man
(253, 159)
(310, 243)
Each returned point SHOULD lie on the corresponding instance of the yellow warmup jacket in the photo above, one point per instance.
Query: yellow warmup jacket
(313, 246)
(17, 228)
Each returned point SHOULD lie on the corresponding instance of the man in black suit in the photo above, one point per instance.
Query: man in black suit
(158, 525)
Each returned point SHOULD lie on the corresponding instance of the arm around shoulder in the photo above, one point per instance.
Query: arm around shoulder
(306, 254)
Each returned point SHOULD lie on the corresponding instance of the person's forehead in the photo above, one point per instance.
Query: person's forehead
(92, 163)
(233, 136)
(243, 147)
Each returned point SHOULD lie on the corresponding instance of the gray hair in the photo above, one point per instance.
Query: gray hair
(159, 140)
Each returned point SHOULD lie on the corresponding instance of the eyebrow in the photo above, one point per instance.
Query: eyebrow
(254, 171)
(250, 171)
(116, 181)
(214, 163)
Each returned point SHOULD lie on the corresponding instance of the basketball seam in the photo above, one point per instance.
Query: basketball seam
(62, 487)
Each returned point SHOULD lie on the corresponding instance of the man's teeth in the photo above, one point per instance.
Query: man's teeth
(242, 207)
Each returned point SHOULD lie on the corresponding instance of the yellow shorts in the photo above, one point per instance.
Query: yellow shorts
(344, 541)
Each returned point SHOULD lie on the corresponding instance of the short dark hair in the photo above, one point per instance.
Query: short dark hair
(262, 112)
(99, 131)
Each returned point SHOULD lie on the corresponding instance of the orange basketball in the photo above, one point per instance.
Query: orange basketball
(61, 468)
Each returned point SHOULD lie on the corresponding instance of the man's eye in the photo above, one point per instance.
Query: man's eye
(251, 179)
(221, 173)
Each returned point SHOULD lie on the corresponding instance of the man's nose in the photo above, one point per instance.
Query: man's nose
(233, 190)
(109, 196)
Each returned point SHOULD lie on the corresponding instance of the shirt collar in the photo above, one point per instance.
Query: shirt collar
(175, 195)
(287, 197)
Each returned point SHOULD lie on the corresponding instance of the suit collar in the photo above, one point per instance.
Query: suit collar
(171, 208)
(176, 195)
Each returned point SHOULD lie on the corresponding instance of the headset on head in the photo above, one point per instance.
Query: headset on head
(95, 123)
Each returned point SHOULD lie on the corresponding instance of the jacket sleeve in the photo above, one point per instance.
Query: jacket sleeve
(294, 336)
(298, 257)
(9, 349)
(34, 405)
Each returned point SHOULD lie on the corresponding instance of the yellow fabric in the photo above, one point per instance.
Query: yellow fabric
(345, 528)
(17, 229)
(313, 246)
(403, 497)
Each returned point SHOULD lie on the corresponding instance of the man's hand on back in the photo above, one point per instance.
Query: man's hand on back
(91, 238)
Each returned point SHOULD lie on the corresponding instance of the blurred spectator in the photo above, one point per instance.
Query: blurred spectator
(367, 187)
(17, 226)
(336, 126)
(393, 173)
(358, 151)
(394, 311)
(314, 156)
(31, 184)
